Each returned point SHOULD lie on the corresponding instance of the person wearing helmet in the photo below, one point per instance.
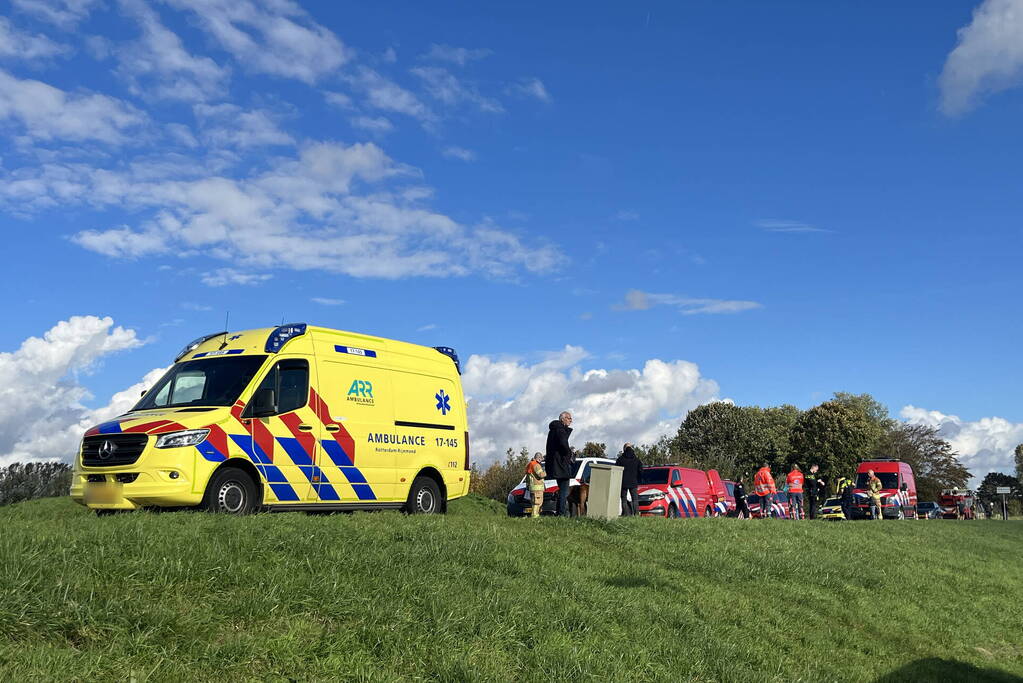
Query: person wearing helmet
(535, 478)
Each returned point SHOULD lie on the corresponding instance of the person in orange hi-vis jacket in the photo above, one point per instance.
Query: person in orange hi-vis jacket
(763, 486)
(794, 483)
(535, 480)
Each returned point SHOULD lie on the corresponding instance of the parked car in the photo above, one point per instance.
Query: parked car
(928, 510)
(726, 506)
(778, 506)
(832, 509)
(519, 506)
(669, 491)
(898, 489)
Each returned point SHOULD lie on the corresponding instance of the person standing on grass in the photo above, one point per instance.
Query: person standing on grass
(763, 486)
(632, 467)
(813, 484)
(559, 458)
(874, 487)
(535, 478)
(742, 510)
(794, 487)
(846, 488)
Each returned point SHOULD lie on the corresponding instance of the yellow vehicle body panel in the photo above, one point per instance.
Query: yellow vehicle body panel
(378, 413)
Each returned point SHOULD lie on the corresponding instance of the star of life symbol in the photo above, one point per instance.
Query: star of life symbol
(443, 402)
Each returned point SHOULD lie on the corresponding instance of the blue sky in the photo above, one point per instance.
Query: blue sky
(797, 198)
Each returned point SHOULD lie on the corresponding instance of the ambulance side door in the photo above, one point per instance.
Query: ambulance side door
(357, 454)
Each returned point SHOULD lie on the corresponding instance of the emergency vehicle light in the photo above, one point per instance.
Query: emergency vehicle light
(450, 353)
(193, 345)
(281, 335)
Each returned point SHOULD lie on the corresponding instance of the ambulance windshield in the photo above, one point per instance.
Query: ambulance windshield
(203, 382)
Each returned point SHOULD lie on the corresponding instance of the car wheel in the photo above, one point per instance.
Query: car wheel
(673, 512)
(901, 514)
(708, 513)
(230, 491)
(423, 497)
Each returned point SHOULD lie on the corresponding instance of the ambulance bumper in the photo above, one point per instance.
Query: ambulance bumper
(131, 490)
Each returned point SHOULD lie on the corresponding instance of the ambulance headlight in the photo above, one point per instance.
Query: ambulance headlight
(189, 437)
(651, 497)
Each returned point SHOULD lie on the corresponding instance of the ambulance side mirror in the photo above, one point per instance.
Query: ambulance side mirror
(904, 487)
(264, 403)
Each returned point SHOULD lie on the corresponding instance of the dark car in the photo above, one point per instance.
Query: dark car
(928, 510)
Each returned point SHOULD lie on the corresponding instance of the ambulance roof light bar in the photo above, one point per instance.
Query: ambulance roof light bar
(450, 353)
(193, 345)
(282, 334)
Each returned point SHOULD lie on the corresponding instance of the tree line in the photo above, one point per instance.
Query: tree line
(26, 481)
(735, 440)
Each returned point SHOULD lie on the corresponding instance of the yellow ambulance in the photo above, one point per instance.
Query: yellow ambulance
(294, 417)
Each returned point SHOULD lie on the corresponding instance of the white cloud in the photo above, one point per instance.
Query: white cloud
(158, 64)
(326, 210)
(372, 124)
(445, 87)
(382, 93)
(455, 55)
(988, 57)
(229, 276)
(227, 125)
(775, 225)
(42, 416)
(324, 301)
(20, 45)
(985, 445)
(339, 100)
(426, 328)
(275, 37)
(530, 87)
(48, 113)
(511, 402)
(64, 14)
(636, 300)
(460, 153)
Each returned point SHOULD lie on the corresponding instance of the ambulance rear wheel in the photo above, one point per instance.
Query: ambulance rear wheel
(230, 491)
(423, 497)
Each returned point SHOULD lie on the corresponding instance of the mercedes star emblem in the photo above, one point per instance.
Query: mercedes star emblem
(106, 450)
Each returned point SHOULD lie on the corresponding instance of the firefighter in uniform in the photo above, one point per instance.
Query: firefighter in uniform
(874, 486)
(535, 476)
(763, 486)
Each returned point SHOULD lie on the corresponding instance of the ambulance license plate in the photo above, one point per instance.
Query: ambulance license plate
(103, 493)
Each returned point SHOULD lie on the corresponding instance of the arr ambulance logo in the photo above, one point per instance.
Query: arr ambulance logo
(361, 392)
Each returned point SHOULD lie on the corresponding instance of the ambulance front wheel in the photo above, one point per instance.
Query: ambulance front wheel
(230, 491)
(423, 497)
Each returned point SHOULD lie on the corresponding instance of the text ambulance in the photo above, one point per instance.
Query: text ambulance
(293, 417)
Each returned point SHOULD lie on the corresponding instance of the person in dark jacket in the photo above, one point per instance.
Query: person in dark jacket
(846, 488)
(813, 485)
(632, 467)
(558, 462)
(742, 510)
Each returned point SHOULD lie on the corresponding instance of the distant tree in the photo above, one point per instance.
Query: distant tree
(19, 482)
(1019, 461)
(835, 435)
(593, 450)
(778, 421)
(663, 452)
(935, 465)
(995, 479)
(501, 477)
(724, 437)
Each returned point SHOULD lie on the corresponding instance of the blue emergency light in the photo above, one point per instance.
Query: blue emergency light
(281, 335)
(452, 354)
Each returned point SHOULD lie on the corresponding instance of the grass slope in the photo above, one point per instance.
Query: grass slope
(477, 596)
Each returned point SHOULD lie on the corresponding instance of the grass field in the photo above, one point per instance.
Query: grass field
(477, 596)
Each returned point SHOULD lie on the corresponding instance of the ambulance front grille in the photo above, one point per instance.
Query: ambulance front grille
(112, 450)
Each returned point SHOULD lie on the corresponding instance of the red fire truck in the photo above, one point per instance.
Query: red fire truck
(958, 504)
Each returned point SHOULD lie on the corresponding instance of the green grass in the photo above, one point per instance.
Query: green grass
(477, 596)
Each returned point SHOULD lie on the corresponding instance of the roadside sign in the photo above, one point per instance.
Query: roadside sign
(1003, 489)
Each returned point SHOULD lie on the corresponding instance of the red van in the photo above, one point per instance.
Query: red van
(670, 491)
(898, 489)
